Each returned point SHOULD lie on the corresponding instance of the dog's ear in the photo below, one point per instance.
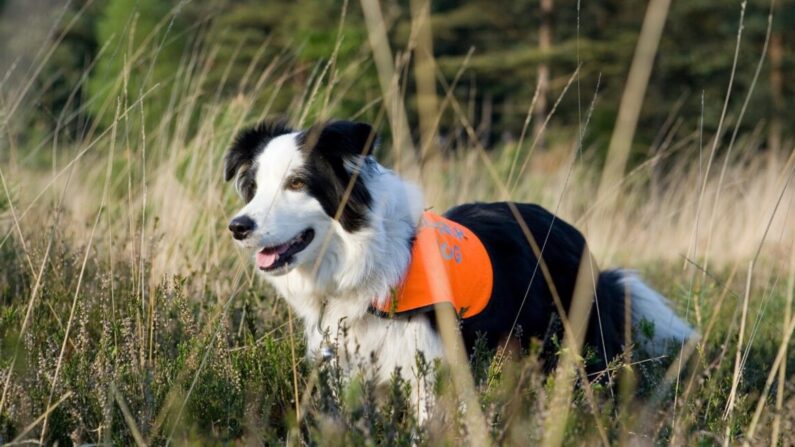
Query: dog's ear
(249, 143)
(342, 139)
(336, 154)
(361, 138)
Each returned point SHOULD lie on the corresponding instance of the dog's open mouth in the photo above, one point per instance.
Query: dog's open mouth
(272, 258)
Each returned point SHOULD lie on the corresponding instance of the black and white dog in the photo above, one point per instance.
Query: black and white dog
(332, 230)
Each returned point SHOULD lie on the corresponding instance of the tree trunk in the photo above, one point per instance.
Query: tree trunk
(776, 88)
(631, 103)
(424, 75)
(544, 44)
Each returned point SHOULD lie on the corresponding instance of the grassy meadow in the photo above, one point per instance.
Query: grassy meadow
(128, 316)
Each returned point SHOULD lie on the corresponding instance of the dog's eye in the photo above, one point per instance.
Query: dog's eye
(295, 184)
(249, 192)
(246, 188)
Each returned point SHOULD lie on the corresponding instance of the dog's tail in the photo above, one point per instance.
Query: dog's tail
(657, 328)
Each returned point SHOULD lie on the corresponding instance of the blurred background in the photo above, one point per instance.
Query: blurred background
(517, 48)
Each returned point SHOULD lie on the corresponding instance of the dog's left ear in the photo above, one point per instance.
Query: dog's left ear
(343, 139)
(361, 136)
(338, 150)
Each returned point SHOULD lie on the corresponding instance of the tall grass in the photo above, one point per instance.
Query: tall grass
(128, 316)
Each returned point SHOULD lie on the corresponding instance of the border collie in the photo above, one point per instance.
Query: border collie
(336, 234)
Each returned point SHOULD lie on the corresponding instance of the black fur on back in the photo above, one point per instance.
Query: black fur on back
(331, 150)
(514, 264)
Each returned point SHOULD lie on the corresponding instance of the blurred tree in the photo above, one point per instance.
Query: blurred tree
(145, 41)
(290, 42)
(276, 52)
(776, 54)
(544, 45)
(695, 55)
(39, 81)
(425, 80)
(65, 91)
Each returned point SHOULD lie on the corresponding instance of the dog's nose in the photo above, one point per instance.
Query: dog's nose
(241, 227)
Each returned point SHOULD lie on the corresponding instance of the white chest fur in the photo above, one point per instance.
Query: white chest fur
(363, 342)
(333, 297)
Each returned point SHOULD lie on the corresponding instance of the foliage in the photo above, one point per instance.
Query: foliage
(144, 41)
(297, 40)
(188, 376)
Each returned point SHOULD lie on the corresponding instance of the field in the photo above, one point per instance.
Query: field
(128, 316)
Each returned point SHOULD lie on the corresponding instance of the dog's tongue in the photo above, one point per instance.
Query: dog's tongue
(267, 256)
(265, 260)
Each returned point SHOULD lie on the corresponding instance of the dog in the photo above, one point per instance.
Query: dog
(351, 248)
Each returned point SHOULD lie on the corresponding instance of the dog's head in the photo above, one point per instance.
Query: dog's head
(296, 183)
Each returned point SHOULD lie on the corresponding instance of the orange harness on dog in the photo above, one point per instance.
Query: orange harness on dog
(449, 264)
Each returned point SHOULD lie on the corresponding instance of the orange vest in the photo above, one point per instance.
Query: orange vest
(449, 264)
